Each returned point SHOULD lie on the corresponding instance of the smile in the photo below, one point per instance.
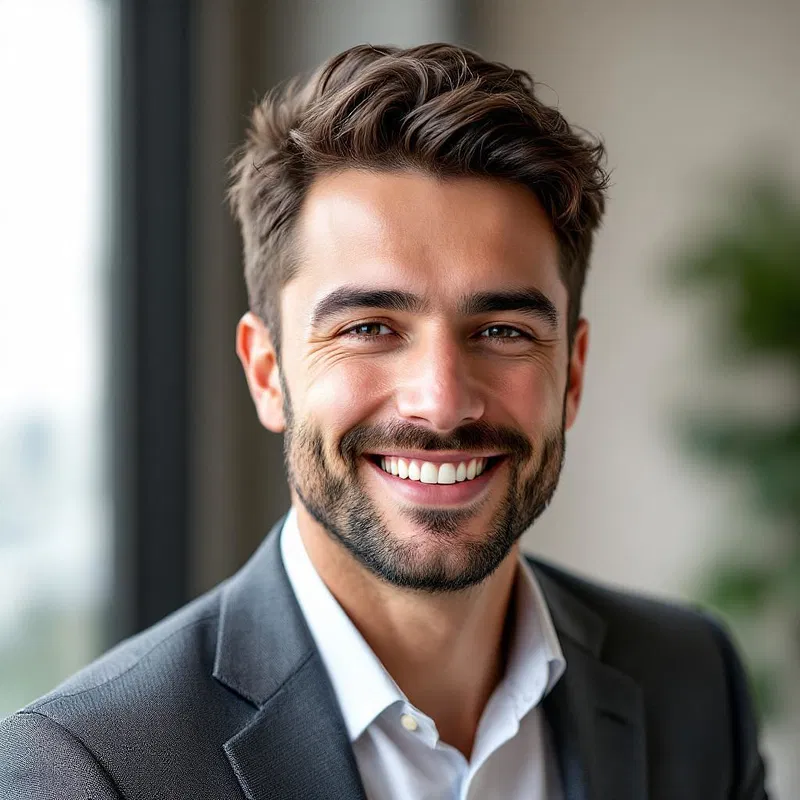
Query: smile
(436, 483)
(433, 472)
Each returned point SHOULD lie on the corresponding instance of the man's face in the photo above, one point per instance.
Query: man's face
(427, 323)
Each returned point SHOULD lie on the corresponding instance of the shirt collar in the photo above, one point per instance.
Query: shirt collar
(363, 687)
(536, 661)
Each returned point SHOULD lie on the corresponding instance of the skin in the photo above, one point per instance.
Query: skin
(428, 586)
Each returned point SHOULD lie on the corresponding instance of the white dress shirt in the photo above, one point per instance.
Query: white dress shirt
(397, 747)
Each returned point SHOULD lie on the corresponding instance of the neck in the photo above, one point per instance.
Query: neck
(445, 651)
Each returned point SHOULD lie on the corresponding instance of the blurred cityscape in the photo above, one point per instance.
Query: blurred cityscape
(55, 522)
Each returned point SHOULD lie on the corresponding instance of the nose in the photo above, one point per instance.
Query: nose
(438, 386)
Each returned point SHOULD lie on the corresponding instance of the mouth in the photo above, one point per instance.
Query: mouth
(439, 483)
(438, 472)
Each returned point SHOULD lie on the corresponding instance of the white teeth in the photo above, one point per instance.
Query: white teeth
(430, 472)
(447, 473)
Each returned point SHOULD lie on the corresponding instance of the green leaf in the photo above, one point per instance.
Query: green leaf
(752, 264)
(748, 267)
(766, 684)
(740, 589)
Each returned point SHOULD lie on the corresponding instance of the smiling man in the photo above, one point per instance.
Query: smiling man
(417, 228)
(423, 386)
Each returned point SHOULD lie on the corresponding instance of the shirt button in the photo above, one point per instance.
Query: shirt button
(408, 722)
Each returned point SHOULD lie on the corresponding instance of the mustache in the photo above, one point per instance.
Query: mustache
(403, 436)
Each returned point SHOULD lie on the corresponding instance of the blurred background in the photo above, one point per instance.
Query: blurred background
(133, 472)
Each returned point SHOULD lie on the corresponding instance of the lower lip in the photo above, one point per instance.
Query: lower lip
(437, 494)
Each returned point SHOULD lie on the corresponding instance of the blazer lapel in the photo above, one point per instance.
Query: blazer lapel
(595, 712)
(296, 744)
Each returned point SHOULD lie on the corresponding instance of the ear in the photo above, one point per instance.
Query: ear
(577, 364)
(260, 362)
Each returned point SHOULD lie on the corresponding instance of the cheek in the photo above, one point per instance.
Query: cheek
(531, 394)
(344, 396)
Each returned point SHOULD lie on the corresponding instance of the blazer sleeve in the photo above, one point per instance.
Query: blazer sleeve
(749, 782)
(41, 760)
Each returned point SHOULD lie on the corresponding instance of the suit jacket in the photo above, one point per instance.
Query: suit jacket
(228, 699)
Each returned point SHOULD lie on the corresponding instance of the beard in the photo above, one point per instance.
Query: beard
(326, 478)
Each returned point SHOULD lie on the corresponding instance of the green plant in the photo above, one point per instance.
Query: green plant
(751, 264)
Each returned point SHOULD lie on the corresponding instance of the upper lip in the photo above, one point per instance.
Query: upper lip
(435, 458)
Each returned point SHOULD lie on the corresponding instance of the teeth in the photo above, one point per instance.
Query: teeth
(447, 473)
(428, 472)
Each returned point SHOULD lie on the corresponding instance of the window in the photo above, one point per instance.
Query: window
(55, 231)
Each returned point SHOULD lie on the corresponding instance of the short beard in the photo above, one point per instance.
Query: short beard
(336, 500)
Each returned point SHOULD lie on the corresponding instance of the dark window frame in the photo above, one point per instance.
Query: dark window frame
(149, 369)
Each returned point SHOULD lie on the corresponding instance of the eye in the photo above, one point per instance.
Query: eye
(503, 333)
(362, 330)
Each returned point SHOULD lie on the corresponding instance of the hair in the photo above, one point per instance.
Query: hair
(436, 108)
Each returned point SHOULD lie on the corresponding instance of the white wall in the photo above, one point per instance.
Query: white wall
(681, 92)
(311, 31)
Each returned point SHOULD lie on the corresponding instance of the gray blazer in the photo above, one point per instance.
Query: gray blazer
(228, 699)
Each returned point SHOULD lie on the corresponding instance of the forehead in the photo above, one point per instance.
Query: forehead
(440, 238)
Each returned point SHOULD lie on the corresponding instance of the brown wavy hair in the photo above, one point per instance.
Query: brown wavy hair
(436, 108)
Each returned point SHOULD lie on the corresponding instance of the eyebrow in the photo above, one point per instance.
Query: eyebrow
(530, 301)
(346, 298)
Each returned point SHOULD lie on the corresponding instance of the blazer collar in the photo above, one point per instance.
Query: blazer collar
(296, 743)
(595, 712)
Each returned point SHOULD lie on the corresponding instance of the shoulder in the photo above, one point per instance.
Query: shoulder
(134, 711)
(633, 619)
(173, 652)
(681, 656)
(676, 652)
(41, 759)
(694, 687)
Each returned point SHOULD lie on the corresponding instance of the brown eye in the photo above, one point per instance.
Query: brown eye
(366, 330)
(508, 332)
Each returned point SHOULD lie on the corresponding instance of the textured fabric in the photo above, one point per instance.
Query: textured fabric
(511, 758)
(228, 699)
(46, 761)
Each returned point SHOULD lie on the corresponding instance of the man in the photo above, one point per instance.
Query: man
(417, 229)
